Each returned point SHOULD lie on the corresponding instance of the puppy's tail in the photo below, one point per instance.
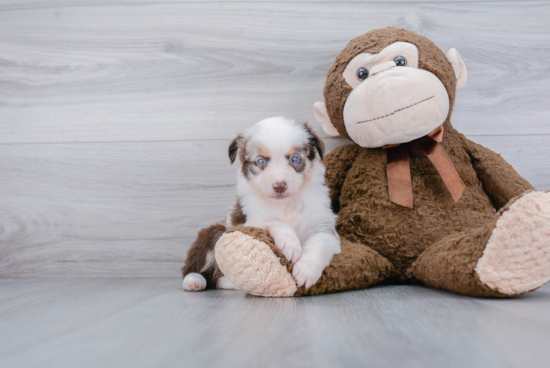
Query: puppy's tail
(200, 257)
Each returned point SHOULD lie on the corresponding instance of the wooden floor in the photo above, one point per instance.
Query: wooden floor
(153, 323)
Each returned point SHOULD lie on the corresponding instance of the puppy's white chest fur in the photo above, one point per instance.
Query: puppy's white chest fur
(292, 214)
(307, 214)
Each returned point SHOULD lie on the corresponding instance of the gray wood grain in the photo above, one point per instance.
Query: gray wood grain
(115, 209)
(115, 116)
(33, 4)
(133, 209)
(153, 323)
(180, 71)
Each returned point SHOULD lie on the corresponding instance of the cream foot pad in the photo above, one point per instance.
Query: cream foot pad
(253, 266)
(517, 256)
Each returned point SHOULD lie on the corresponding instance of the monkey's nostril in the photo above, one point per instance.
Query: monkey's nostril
(280, 186)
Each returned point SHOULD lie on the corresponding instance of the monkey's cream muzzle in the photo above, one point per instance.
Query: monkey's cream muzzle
(395, 105)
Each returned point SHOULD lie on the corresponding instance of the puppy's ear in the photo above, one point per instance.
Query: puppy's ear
(234, 147)
(314, 142)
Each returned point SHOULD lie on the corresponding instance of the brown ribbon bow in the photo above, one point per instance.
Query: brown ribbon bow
(399, 170)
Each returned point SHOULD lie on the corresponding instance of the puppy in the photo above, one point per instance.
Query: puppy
(281, 189)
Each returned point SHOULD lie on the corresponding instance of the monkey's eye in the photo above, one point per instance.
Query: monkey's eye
(261, 161)
(400, 61)
(362, 74)
(293, 159)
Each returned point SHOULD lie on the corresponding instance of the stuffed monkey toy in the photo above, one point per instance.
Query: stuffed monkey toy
(416, 200)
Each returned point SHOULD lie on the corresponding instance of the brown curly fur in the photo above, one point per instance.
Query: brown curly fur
(359, 189)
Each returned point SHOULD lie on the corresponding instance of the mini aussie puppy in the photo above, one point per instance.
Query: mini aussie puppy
(280, 188)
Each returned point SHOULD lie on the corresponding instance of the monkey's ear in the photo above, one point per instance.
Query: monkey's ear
(234, 147)
(321, 115)
(459, 67)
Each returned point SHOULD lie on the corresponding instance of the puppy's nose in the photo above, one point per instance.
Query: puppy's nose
(279, 186)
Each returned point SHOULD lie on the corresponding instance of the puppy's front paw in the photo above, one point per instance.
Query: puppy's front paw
(307, 273)
(289, 244)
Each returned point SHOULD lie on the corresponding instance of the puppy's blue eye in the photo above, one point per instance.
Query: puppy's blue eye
(261, 161)
(293, 159)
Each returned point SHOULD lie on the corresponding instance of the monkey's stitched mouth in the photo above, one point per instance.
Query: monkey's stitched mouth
(396, 111)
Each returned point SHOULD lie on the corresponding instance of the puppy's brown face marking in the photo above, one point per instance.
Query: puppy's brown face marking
(314, 145)
(298, 158)
(253, 159)
(242, 157)
(240, 145)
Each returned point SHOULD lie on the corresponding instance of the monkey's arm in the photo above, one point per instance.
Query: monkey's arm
(337, 163)
(500, 181)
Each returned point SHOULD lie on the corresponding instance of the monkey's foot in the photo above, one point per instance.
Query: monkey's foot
(248, 257)
(516, 259)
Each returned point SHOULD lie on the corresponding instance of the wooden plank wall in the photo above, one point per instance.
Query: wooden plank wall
(115, 115)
